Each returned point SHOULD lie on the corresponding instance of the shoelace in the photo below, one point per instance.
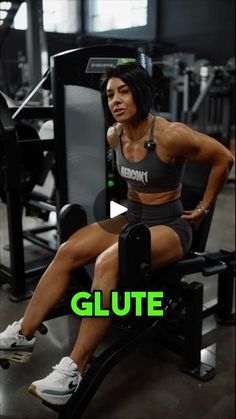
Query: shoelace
(8, 330)
(59, 373)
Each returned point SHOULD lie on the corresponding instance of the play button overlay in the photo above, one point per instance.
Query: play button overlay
(111, 225)
(116, 209)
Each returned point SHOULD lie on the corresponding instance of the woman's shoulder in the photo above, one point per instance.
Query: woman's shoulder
(113, 133)
(167, 131)
(172, 139)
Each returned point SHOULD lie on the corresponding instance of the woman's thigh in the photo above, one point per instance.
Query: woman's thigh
(102, 238)
(91, 240)
(166, 247)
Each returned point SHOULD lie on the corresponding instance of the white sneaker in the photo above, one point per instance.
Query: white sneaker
(14, 346)
(59, 385)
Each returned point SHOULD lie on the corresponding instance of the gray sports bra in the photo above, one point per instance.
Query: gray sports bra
(150, 174)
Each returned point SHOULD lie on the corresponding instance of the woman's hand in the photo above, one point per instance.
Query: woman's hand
(194, 216)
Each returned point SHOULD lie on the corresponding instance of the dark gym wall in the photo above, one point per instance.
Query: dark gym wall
(205, 27)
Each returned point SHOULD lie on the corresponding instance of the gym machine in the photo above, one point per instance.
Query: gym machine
(23, 165)
(85, 172)
(84, 164)
(199, 94)
(180, 330)
(172, 67)
(208, 98)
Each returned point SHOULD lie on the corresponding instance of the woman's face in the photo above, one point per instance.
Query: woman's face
(120, 100)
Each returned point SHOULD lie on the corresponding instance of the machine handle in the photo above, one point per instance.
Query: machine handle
(211, 270)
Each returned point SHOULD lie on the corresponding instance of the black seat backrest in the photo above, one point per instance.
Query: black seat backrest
(194, 184)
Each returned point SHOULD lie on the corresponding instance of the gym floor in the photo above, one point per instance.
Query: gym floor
(148, 383)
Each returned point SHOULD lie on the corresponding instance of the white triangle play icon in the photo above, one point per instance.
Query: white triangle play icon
(116, 209)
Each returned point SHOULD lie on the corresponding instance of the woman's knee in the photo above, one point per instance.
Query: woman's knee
(71, 254)
(106, 271)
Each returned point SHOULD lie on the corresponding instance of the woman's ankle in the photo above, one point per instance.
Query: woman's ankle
(27, 331)
(81, 362)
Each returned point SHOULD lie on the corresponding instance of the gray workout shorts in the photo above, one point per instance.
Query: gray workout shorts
(165, 214)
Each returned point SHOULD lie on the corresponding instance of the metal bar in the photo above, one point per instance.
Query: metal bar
(225, 294)
(14, 205)
(38, 241)
(186, 92)
(203, 94)
(44, 145)
(41, 229)
(27, 99)
(5, 273)
(34, 112)
(209, 310)
(36, 271)
(41, 205)
(33, 44)
(193, 296)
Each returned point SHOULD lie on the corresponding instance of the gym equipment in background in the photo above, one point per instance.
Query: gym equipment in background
(23, 165)
(208, 99)
(199, 93)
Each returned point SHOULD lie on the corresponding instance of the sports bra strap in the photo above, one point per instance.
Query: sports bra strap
(152, 128)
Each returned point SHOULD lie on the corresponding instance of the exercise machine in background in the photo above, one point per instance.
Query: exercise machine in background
(25, 162)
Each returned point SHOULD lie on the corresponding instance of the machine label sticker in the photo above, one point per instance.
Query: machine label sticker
(89, 304)
(100, 64)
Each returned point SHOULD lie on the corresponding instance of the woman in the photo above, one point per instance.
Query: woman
(151, 153)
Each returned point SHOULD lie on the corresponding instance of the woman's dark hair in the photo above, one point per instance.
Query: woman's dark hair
(139, 82)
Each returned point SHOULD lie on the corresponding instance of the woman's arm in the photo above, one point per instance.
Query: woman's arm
(112, 134)
(185, 143)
